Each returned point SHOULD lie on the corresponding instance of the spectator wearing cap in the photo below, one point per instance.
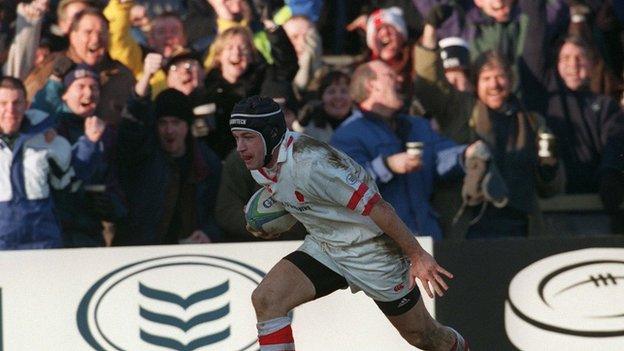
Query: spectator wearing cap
(455, 61)
(185, 74)
(319, 118)
(413, 19)
(175, 202)
(442, 67)
(88, 38)
(35, 163)
(238, 71)
(84, 208)
(589, 127)
(387, 40)
(182, 72)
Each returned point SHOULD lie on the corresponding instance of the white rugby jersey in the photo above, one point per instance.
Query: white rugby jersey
(328, 192)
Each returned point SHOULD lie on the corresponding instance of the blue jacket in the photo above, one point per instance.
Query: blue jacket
(369, 140)
(29, 171)
(82, 226)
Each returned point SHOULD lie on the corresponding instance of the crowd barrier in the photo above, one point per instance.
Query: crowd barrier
(185, 297)
(531, 294)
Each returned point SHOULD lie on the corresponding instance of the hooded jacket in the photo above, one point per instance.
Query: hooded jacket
(30, 170)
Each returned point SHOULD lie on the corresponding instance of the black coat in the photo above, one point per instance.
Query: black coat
(589, 127)
(225, 94)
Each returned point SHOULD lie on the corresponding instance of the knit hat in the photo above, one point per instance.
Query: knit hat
(80, 71)
(392, 16)
(454, 52)
(262, 115)
(173, 103)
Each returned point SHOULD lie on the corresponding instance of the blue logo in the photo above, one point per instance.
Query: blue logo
(178, 302)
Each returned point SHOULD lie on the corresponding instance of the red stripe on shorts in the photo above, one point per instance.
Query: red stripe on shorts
(282, 336)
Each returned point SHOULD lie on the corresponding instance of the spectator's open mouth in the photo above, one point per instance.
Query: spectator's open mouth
(235, 61)
(95, 49)
(95, 52)
(87, 103)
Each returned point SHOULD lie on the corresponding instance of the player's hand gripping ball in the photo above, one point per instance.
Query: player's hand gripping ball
(267, 218)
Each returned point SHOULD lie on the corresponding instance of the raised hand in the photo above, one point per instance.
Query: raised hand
(358, 23)
(439, 14)
(224, 10)
(152, 63)
(35, 9)
(94, 128)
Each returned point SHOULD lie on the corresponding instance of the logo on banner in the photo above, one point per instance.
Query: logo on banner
(178, 302)
(570, 301)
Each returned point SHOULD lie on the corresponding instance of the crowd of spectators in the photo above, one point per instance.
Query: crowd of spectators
(114, 114)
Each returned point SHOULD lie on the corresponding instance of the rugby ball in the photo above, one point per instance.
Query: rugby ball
(264, 213)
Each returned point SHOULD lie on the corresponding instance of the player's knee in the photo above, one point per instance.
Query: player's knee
(263, 300)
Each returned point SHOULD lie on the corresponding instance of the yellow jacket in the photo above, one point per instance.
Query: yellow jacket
(123, 48)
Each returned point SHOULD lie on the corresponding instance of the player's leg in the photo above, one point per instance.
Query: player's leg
(418, 327)
(296, 279)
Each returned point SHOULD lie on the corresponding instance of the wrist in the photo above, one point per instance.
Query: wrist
(415, 253)
(387, 164)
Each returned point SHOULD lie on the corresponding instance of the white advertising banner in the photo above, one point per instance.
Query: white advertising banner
(185, 297)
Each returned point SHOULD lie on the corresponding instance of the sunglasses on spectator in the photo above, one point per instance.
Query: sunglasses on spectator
(186, 65)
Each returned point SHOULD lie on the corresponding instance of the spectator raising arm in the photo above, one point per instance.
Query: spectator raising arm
(27, 34)
(153, 62)
(122, 46)
(448, 105)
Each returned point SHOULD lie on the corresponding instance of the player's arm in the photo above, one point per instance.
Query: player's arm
(424, 266)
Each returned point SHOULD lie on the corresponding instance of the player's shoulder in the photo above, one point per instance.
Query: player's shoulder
(307, 149)
(310, 154)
